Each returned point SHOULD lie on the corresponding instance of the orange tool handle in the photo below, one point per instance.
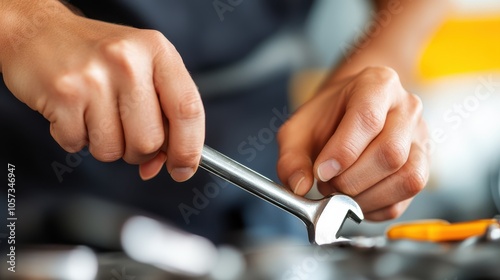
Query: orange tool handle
(439, 230)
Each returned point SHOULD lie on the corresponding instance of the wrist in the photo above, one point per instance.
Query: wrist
(22, 21)
(355, 62)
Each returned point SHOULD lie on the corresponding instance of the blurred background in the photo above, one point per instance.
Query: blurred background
(457, 77)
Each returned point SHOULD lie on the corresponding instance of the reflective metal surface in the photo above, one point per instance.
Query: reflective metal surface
(324, 218)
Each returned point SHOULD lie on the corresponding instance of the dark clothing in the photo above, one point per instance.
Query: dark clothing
(48, 177)
(206, 35)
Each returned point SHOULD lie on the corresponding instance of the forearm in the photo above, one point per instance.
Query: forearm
(395, 37)
(22, 21)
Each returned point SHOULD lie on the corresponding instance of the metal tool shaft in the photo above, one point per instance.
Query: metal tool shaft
(257, 184)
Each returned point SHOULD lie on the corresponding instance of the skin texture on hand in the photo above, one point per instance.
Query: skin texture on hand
(122, 91)
(362, 134)
(363, 137)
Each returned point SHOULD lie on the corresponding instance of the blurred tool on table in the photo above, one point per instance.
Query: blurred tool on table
(465, 173)
(440, 230)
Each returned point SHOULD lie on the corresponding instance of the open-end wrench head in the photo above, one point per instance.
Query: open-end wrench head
(329, 222)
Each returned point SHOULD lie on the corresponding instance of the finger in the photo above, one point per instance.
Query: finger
(101, 116)
(300, 141)
(182, 105)
(326, 188)
(141, 116)
(389, 212)
(104, 128)
(400, 186)
(152, 167)
(294, 163)
(385, 155)
(69, 131)
(296, 150)
(371, 97)
(66, 114)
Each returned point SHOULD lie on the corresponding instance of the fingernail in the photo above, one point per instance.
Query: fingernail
(181, 174)
(151, 168)
(295, 180)
(328, 169)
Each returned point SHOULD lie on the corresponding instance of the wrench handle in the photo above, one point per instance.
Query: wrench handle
(255, 183)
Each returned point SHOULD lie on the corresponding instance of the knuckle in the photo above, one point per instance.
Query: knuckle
(106, 154)
(155, 36)
(416, 104)
(393, 154)
(139, 96)
(119, 51)
(71, 143)
(383, 80)
(115, 48)
(94, 78)
(415, 180)
(66, 88)
(190, 106)
(71, 146)
(393, 212)
(74, 147)
(164, 46)
(186, 158)
(371, 119)
(416, 101)
(74, 87)
(382, 74)
(105, 146)
(347, 153)
(149, 144)
(346, 186)
(146, 147)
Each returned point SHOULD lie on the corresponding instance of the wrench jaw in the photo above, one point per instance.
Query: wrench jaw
(329, 222)
(356, 217)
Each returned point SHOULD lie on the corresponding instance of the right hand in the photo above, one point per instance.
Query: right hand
(122, 91)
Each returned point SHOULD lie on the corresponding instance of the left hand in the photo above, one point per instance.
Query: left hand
(364, 137)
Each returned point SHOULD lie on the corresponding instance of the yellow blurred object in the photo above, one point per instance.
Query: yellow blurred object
(439, 230)
(463, 44)
(304, 84)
